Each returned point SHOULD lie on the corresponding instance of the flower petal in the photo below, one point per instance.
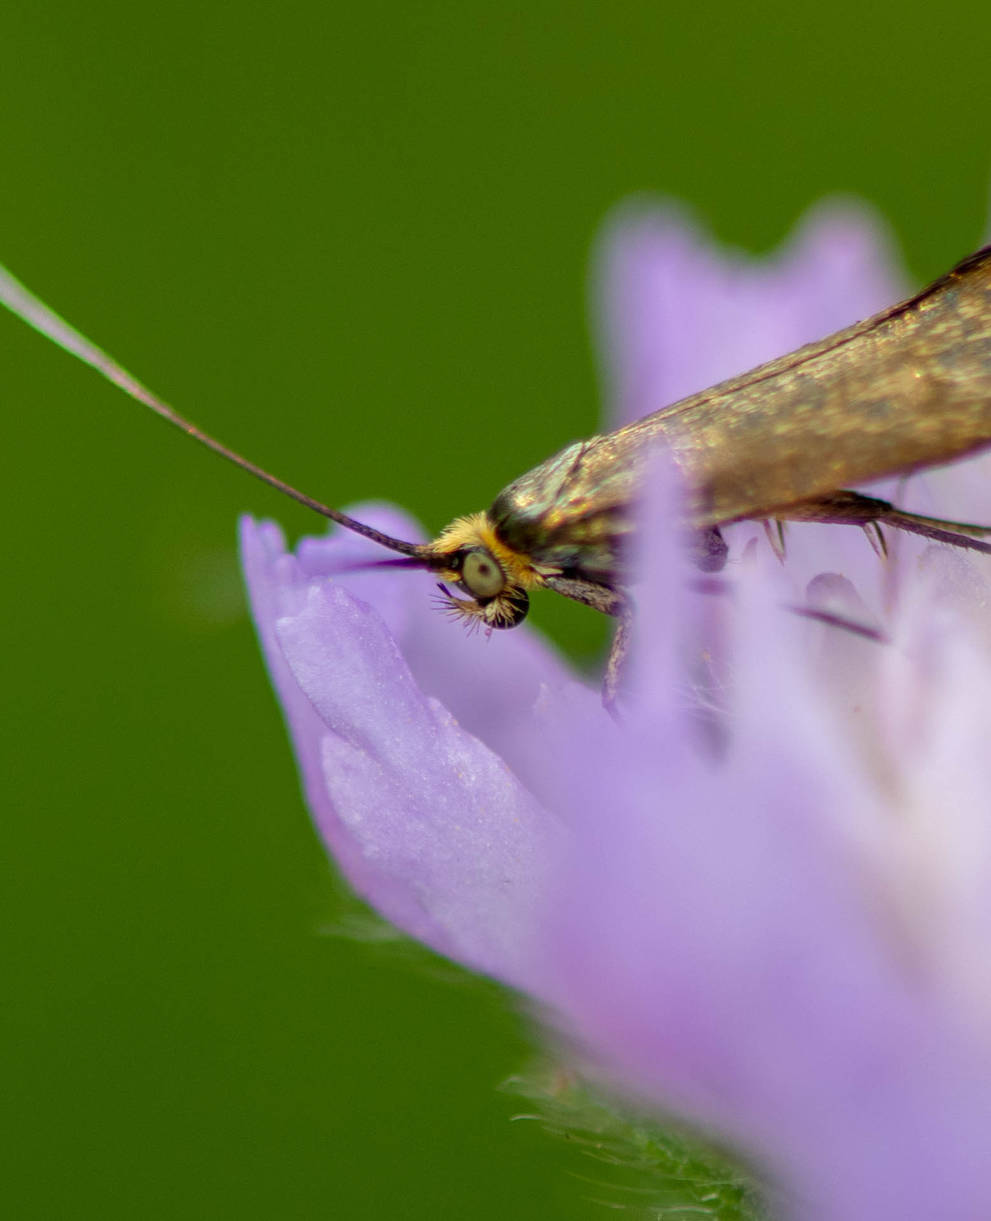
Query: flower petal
(426, 822)
(728, 939)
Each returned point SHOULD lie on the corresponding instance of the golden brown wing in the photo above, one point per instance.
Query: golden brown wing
(907, 388)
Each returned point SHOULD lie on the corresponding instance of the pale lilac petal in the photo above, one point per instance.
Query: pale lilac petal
(425, 821)
(733, 937)
(776, 915)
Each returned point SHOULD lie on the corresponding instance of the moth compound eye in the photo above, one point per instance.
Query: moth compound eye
(481, 575)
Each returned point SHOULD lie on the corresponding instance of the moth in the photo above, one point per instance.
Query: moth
(908, 388)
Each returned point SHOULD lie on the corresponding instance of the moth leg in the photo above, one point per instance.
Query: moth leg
(855, 509)
(617, 658)
(590, 593)
(610, 602)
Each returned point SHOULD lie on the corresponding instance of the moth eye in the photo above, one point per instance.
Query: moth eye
(481, 575)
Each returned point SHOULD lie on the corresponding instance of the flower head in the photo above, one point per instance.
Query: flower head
(761, 901)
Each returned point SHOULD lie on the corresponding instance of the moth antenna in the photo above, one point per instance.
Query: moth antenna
(30, 309)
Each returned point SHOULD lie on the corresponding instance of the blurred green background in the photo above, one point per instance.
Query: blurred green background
(352, 242)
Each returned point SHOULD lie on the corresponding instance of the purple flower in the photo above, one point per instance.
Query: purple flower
(763, 902)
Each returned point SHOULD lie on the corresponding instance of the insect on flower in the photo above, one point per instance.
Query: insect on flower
(906, 389)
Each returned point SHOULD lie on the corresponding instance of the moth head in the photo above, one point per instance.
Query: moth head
(493, 579)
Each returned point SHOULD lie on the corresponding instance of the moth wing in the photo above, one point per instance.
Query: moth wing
(573, 512)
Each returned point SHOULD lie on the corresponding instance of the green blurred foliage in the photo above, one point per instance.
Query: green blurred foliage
(352, 242)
